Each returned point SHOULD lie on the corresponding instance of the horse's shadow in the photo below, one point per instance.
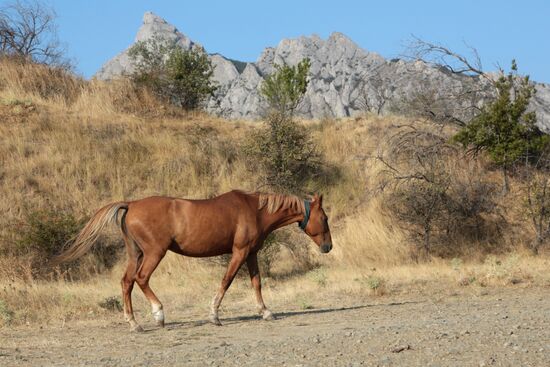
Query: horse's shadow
(279, 316)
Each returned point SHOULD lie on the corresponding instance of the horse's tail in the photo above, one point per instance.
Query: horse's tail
(89, 234)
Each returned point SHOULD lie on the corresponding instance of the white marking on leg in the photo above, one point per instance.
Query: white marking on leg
(214, 309)
(215, 304)
(268, 315)
(157, 312)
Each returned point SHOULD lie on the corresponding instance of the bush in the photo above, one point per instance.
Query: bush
(273, 261)
(6, 315)
(285, 153)
(42, 234)
(112, 303)
(182, 77)
(441, 199)
(283, 149)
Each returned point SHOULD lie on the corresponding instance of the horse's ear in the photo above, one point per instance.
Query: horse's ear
(317, 200)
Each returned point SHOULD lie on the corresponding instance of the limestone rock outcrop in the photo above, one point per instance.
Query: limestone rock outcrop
(345, 79)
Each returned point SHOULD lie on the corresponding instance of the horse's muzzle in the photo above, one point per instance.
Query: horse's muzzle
(326, 247)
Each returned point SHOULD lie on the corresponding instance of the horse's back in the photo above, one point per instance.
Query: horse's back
(192, 227)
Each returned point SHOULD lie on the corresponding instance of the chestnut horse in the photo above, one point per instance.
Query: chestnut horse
(235, 222)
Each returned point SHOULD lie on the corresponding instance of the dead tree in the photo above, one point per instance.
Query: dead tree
(28, 31)
(414, 169)
(374, 94)
(456, 105)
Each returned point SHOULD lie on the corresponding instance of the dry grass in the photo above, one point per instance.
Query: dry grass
(74, 144)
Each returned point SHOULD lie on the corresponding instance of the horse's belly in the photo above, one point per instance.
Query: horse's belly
(198, 249)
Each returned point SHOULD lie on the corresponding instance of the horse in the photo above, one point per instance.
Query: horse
(235, 223)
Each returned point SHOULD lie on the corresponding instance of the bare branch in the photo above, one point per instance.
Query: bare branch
(439, 55)
(28, 31)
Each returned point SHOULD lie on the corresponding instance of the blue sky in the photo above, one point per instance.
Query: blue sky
(94, 31)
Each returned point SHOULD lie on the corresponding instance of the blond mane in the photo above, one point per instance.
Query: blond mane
(276, 202)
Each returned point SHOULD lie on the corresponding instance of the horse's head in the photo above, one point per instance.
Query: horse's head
(316, 224)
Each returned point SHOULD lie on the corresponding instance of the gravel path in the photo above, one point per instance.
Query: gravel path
(509, 327)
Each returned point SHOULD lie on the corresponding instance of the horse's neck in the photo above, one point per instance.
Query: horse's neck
(280, 219)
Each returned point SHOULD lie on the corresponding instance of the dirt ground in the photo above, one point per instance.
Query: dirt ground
(499, 327)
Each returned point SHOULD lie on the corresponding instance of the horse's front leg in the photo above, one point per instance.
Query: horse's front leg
(254, 271)
(237, 259)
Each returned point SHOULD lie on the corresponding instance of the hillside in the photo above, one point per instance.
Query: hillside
(70, 146)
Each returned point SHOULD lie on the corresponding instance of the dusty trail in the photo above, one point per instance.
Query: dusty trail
(509, 327)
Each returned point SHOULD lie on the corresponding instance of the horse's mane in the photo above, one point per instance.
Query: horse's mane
(275, 202)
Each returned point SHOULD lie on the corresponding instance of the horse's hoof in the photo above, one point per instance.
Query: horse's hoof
(160, 323)
(268, 316)
(215, 320)
(136, 329)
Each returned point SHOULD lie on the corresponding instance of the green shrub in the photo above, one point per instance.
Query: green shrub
(285, 153)
(112, 303)
(504, 128)
(42, 234)
(283, 149)
(5, 313)
(319, 276)
(182, 77)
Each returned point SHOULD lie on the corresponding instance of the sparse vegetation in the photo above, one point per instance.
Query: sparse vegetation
(5, 313)
(112, 303)
(537, 207)
(81, 147)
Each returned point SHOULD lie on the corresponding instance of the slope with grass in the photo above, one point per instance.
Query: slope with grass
(68, 146)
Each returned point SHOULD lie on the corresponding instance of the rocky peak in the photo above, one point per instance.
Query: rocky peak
(344, 78)
(155, 26)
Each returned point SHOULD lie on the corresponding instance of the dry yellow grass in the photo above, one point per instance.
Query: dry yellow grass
(92, 143)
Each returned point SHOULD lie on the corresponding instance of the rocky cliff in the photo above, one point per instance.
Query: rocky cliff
(344, 79)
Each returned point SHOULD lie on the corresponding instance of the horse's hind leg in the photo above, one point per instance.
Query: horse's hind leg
(254, 271)
(135, 256)
(150, 263)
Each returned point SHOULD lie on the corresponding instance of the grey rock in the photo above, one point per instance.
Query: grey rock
(343, 77)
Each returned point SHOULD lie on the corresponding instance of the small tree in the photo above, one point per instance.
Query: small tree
(504, 128)
(28, 30)
(183, 77)
(190, 75)
(283, 149)
(373, 93)
(285, 88)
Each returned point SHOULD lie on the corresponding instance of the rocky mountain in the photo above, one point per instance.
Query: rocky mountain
(345, 79)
